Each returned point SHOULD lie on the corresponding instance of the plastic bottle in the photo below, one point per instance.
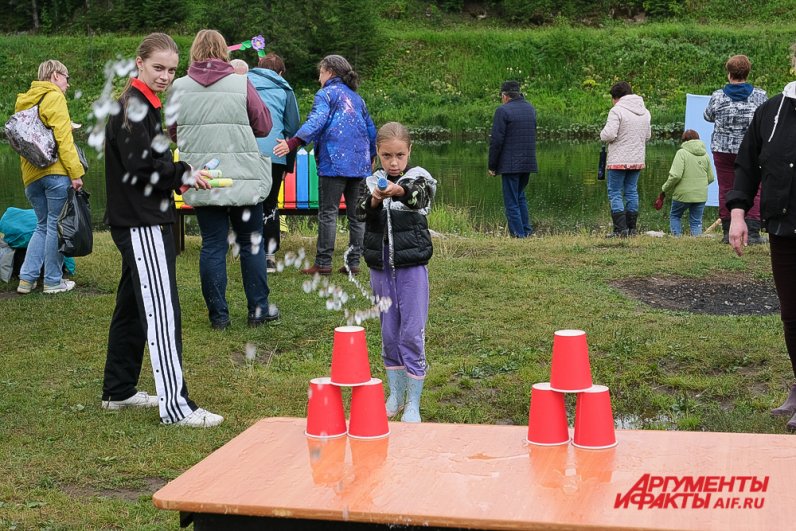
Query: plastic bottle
(212, 164)
(382, 183)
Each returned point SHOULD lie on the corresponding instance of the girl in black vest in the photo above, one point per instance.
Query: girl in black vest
(397, 248)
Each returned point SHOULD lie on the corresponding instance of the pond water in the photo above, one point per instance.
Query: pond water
(564, 196)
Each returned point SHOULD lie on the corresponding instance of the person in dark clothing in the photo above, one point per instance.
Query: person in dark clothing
(140, 178)
(512, 154)
(766, 157)
(397, 248)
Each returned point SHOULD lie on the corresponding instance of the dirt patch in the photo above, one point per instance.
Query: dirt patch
(719, 295)
(150, 486)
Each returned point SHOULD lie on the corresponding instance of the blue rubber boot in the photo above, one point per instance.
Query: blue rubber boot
(412, 409)
(396, 379)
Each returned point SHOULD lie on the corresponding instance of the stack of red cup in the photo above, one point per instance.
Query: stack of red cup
(571, 373)
(350, 368)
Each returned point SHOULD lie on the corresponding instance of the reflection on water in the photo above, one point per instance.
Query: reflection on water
(563, 197)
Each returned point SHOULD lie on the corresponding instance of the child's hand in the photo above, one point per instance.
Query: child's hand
(392, 190)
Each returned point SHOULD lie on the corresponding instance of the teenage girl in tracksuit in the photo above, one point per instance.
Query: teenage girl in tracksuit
(140, 179)
(397, 248)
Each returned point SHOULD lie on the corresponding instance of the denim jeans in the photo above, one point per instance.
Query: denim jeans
(47, 195)
(694, 217)
(247, 226)
(329, 190)
(516, 205)
(623, 182)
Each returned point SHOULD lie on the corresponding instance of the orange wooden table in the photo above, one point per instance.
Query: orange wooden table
(488, 477)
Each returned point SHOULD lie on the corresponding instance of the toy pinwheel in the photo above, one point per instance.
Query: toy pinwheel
(255, 43)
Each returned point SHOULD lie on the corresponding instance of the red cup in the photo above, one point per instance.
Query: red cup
(547, 418)
(594, 419)
(327, 460)
(570, 371)
(350, 364)
(325, 413)
(368, 414)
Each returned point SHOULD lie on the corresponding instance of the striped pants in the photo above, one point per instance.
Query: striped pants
(147, 314)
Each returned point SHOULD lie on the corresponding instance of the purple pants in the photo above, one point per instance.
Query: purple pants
(403, 326)
(725, 173)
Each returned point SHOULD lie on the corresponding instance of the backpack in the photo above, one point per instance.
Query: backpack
(31, 138)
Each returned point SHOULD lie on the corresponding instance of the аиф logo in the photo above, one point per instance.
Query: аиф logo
(694, 492)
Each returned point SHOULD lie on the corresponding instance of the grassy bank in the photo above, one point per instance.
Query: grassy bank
(447, 80)
(495, 304)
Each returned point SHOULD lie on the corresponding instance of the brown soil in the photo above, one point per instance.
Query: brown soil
(719, 295)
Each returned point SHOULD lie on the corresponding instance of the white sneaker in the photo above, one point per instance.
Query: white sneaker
(140, 399)
(26, 287)
(201, 418)
(65, 285)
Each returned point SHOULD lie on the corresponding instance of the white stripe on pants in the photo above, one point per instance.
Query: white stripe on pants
(155, 285)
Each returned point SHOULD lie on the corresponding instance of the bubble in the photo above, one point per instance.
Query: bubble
(134, 180)
(161, 143)
(148, 190)
(164, 205)
(307, 286)
(271, 246)
(78, 94)
(245, 215)
(231, 238)
(255, 249)
(256, 239)
(289, 259)
(123, 68)
(136, 110)
(280, 266)
(272, 309)
(329, 304)
(154, 178)
(251, 351)
(125, 177)
(235, 250)
(258, 312)
(144, 154)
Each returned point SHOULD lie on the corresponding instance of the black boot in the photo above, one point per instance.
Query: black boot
(789, 407)
(725, 229)
(620, 225)
(631, 218)
(754, 238)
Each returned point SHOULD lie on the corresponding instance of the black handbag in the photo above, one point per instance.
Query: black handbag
(601, 164)
(75, 236)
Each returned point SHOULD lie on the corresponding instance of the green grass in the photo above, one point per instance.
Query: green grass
(495, 304)
(446, 79)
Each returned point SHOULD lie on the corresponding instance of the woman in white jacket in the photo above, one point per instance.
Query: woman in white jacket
(626, 132)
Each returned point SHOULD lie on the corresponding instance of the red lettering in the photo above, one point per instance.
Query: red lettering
(711, 484)
(719, 504)
(759, 486)
(726, 482)
(701, 503)
(761, 501)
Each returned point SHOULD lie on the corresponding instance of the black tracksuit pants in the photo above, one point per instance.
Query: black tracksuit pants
(147, 314)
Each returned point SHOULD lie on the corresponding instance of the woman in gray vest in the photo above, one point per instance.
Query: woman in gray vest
(219, 116)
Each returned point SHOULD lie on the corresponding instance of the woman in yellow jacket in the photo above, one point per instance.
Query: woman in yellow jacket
(46, 188)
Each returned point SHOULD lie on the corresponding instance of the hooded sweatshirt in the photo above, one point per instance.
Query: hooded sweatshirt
(626, 132)
(55, 115)
(690, 174)
(767, 159)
